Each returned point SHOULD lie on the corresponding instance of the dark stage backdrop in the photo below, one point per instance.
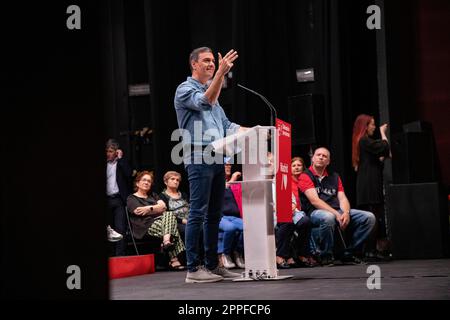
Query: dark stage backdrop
(273, 41)
(433, 78)
(68, 91)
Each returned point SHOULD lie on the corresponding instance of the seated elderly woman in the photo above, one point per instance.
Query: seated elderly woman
(148, 215)
(176, 201)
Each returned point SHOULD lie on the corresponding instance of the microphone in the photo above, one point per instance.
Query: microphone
(272, 108)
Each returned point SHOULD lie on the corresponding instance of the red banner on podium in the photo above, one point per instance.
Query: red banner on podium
(284, 176)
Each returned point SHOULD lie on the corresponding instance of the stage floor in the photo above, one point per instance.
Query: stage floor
(400, 280)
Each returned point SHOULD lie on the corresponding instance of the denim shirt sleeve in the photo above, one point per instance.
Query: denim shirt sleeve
(191, 98)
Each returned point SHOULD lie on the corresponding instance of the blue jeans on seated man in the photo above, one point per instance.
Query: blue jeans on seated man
(231, 235)
(207, 185)
(324, 224)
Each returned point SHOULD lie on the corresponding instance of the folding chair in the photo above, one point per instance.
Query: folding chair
(160, 257)
(131, 231)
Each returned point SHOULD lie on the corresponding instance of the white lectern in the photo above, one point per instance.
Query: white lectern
(257, 199)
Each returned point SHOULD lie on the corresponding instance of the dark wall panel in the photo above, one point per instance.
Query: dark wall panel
(418, 220)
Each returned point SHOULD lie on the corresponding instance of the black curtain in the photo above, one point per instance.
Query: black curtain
(273, 41)
(67, 91)
(262, 36)
(167, 42)
(114, 82)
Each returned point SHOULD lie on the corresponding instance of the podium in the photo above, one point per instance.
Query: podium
(258, 190)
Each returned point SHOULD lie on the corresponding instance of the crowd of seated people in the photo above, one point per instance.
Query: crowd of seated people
(294, 248)
(149, 215)
(319, 207)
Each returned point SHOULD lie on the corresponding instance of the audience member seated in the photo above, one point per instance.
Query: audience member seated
(302, 224)
(176, 201)
(302, 237)
(288, 245)
(113, 235)
(231, 228)
(283, 231)
(148, 216)
(324, 201)
(118, 183)
(283, 235)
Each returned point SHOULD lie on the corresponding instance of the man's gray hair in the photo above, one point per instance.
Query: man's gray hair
(195, 53)
(113, 144)
(322, 147)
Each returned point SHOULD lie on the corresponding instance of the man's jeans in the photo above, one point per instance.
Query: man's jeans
(231, 236)
(324, 224)
(207, 186)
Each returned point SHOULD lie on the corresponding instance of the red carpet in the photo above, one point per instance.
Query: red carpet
(128, 266)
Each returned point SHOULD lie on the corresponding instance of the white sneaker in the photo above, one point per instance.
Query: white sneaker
(113, 235)
(239, 260)
(227, 261)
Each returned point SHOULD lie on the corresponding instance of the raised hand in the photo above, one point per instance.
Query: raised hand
(383, 128)
(226, 62)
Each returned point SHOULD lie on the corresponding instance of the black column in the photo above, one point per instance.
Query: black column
(53, 177)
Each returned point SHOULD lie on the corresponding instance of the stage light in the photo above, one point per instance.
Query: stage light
(305, 75)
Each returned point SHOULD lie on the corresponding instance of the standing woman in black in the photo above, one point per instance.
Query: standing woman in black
(368, 155)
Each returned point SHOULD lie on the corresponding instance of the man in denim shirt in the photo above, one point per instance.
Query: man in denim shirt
(202, 121)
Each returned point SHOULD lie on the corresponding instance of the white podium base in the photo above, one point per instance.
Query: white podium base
(261, 278)
(246, 277)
